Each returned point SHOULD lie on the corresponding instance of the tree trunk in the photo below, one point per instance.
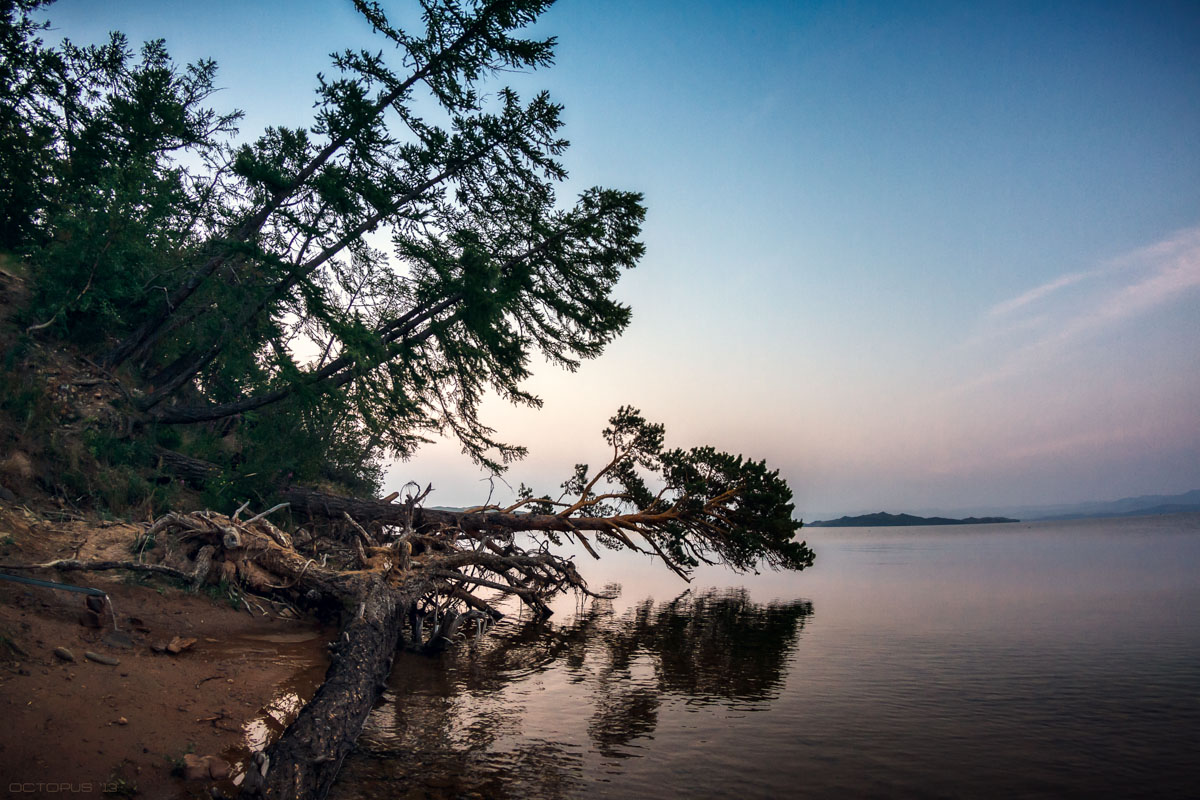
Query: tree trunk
(193, 471)
(319, 504)
(305, 760)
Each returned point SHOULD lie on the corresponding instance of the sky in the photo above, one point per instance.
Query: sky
(918, 256)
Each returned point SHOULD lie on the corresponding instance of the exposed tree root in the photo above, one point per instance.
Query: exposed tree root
(305, 761)
(371, 588)
(374, 563)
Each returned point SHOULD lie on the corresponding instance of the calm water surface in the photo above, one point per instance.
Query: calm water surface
(1024, 660)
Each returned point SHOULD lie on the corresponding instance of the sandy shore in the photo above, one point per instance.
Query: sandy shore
(79, 727)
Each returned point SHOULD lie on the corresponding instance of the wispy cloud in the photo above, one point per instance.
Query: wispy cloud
(1180, 243)
(1050, 323)
(1036, 293)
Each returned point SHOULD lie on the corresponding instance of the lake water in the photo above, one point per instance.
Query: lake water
(1022, 660)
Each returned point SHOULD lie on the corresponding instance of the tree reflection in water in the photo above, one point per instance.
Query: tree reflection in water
(526, 711)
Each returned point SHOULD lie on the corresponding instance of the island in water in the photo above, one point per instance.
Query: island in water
(882, 519)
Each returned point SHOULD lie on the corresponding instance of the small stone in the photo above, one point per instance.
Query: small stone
(100, 658)
(179, 644)
(64, 654)
(122, 721)
(201, 768)
(195, 768)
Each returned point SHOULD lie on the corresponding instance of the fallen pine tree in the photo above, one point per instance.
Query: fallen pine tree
(381, 567)
(279, 346)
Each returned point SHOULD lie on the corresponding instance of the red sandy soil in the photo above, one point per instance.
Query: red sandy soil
(84, 728)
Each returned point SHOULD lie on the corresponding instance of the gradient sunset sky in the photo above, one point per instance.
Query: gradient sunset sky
(916, 255)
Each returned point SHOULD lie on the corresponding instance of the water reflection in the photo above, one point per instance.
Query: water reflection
(525, 711)
(1055, 660)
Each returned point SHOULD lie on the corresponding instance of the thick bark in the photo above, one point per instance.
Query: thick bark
(319, 504)
(193, 471)
(304, 762)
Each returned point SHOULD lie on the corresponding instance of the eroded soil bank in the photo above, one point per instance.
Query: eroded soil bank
(81, 726)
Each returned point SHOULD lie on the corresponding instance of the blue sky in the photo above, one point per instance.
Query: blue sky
(917, 255)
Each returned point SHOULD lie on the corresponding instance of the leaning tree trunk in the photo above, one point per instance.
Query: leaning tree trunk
(304, 762)
(452, 556)
(373, 602)
(332, 506)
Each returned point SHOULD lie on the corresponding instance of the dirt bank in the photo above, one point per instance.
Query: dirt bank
(72, 727)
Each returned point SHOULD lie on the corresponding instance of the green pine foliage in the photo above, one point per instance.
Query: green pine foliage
(241, 290)
(694, 506)
(239, 285)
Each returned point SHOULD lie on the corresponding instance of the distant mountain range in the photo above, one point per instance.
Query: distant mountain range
(1144, 505)
(883, 519)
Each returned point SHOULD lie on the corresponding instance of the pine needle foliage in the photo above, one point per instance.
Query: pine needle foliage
(300, 306)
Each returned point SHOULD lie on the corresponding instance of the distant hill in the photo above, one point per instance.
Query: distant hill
(1141, 506)
(883, 519)
(1145, 505)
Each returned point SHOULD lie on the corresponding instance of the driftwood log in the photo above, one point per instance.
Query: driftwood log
(373, 602)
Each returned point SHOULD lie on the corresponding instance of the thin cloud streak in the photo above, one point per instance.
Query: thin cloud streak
(1037, 293)
(1158, 275)
(1168, 283)
(1182, 242)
